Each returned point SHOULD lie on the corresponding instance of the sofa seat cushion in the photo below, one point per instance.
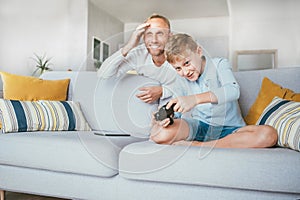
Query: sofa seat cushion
(274, 169)
(70, 152)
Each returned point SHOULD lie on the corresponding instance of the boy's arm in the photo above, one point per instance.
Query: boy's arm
(230, 89)
(186, 103)
(206, 97)
(177, 86)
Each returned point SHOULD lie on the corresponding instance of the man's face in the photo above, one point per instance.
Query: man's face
(189, 67)
(156, 36)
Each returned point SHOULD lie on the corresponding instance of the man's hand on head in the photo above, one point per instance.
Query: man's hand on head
(150, 94)
(135, 38)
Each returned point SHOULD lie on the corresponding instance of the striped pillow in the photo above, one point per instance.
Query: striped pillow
(43, 115)
(284, 116)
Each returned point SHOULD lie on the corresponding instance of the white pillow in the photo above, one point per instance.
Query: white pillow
(284, 116)
(43, 115)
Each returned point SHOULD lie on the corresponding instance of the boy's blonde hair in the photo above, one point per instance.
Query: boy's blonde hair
(179, 46)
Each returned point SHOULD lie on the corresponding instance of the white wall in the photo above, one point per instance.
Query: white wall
(104, 27)
(212, 33)
(198, 28)
(251, 25)
(63, 29)
(76, 35)
(267, 24)
(204, 30)
(56, 28)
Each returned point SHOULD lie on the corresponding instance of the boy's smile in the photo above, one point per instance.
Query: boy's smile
(190, 67)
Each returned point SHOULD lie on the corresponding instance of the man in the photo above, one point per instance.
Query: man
(147, 59)
(212, 98)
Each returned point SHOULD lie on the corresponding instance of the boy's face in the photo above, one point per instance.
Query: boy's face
(189, 67)
(156, 36)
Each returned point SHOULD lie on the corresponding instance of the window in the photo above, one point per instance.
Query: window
(96, 48)
(255, 59)
(105, 51)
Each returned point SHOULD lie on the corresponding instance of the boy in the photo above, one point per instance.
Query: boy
(212, 99)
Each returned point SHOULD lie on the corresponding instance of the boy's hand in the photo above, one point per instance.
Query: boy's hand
(183, 103)
(150, 94)
(164, 123)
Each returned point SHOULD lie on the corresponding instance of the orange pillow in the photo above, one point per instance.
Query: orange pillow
(265, 96)
(27, 88)
(291, 95)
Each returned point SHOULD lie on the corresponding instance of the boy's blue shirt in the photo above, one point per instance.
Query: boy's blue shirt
(219, 79)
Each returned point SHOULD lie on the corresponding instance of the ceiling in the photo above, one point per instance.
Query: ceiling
(133, 11)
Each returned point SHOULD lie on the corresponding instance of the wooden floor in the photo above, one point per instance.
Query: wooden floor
(19, 196)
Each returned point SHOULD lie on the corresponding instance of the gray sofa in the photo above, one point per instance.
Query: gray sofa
(82, 165)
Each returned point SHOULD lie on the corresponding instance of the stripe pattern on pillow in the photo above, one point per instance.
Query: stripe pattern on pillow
(43, 115)
(284, 116)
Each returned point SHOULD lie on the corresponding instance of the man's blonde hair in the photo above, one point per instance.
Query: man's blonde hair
(154, 16)
(179, 46)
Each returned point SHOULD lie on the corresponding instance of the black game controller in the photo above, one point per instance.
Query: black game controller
(164, 113)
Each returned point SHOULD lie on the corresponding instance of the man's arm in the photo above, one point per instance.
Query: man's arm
(114, 65)
(150, 94)
(119, 63)
(172, 85)
(135, 38)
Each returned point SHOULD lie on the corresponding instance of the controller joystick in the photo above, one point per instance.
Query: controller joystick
(164, 113)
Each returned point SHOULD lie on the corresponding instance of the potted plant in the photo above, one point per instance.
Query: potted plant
(42, 64)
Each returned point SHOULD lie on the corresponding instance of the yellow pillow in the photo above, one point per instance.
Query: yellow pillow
(27, 88)
(291, 95)
(265, 96)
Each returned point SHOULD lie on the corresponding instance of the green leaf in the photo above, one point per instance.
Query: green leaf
(42, 63)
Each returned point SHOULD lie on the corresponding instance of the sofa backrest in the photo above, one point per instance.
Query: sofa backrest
(110, 104)
(250, 83)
